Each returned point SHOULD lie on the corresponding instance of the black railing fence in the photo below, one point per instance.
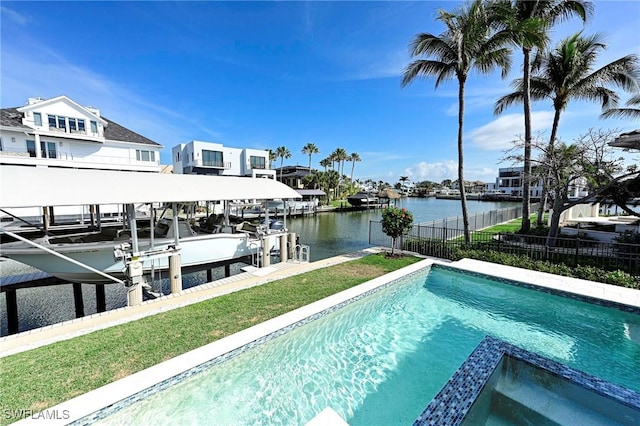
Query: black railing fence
(444, 242)
(479, 220)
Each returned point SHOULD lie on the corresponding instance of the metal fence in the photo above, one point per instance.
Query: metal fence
(445, 243)
(480, 220)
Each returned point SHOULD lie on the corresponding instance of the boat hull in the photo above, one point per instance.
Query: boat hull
(194, 251)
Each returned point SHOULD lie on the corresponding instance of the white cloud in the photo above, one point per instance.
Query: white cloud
(500, 133)
(435, 172)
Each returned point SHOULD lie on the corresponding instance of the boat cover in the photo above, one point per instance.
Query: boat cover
(24, 186)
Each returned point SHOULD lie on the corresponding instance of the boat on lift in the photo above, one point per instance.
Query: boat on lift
(93, 257)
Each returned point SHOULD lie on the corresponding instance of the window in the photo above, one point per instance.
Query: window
(73, 126)
(177, 156)
(52, 121)
(142, 155)
(212, 158)
(37, 119)
(81, 125)
(62, 123)
(257, 162)
(48, 149)
(94, 127)
(31, 148)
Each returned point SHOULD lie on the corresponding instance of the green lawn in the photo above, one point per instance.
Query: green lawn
(42, 377)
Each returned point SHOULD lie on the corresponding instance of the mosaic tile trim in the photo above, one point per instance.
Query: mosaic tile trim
(569, 295)
(450, 406)
(111, 409)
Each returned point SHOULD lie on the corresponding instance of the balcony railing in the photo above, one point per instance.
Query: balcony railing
(26, 157)
(215, 164)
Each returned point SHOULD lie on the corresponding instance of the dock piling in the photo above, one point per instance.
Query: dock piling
(12, 311)
(78, 302)
(175, 273)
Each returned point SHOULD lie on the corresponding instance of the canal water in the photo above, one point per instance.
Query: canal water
(327, 235)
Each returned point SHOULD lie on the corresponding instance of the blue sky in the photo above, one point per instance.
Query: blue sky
(266, 74)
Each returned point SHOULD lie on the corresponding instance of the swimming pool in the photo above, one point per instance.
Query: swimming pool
(382, 358)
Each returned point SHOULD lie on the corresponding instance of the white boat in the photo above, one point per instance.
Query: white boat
(97, 250)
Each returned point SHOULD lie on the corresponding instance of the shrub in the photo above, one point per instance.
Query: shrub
(396, 222)
(584, 272)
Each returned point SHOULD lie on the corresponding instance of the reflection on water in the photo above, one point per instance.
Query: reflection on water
(327, 235)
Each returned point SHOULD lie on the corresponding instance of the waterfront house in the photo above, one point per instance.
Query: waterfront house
(293, 176)
(61, 133)
(58, 132)
(208, 158)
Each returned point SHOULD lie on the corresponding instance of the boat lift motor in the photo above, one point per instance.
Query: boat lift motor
(133, 261)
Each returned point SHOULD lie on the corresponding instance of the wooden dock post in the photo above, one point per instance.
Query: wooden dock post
(292, 245)
(175, 273)
(77, 300)
(12, 311)
(284, 252)
(101, 300)
(266, 252)
(134, 295)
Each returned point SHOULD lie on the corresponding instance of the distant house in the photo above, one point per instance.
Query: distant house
(208, 158)
(59, 132)
(293, 175)
(510, 182)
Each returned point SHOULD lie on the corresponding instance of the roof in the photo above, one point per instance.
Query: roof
(74, 187)
(627, 140)
(11, 117)
(115, 132)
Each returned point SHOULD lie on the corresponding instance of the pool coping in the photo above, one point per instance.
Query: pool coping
(85, 405)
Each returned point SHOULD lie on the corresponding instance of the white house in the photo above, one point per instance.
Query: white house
(510, 181)
(208, 158)
(58, 132)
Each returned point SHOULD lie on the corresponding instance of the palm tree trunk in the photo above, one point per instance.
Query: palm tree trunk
(463, 195)
(554, 228)
(547, 179)
(526, 176)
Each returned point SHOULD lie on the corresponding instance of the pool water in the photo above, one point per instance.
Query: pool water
(381, 359)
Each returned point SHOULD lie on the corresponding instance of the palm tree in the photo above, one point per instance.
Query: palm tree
(310, 149)
(628, 112)
(282, 152)
(466, 44)
(526, 24)
(272, 156)
(325, 163)
(354, 157)
(340, 156)
(565, 73)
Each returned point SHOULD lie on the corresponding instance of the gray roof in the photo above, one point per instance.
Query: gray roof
(11, 117)
(116, 132)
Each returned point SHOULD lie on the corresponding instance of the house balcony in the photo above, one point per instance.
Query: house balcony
(225, 165)
(65, 159)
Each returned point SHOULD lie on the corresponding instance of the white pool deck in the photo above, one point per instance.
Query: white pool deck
(109, 394)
